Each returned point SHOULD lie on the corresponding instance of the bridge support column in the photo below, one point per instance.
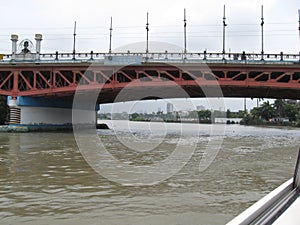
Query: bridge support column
(14, 112)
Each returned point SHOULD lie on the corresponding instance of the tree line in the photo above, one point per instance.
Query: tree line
(280, 112)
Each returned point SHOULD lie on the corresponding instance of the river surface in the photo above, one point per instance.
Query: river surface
(44, 178)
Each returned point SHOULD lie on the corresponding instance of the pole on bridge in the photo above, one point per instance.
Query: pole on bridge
(224, 25)
(74, 34)
(147, 38)
(110, 35)
(14, 40)
(184, 27)
(262, 32)
(299, 30)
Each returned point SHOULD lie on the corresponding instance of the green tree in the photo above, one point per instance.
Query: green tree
(135, 115)
(279, 106)
(229, 114)
(256, 112)
(298, 119)
(204, 115)
(159, 113)
(291, 111)
(267, 111)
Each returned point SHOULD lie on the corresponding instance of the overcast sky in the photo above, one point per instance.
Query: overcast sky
(55, 20)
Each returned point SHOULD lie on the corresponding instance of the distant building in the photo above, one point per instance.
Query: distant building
(291, 101)
(200, 107)
(170, 108)
(183, 113)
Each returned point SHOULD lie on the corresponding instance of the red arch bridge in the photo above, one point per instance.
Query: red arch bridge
(57, 76)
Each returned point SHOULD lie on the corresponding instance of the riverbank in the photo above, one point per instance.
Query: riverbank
(172, 121)
(34, 128)
(20, 128)
(228, 121)
(216, 120)
(256, 122)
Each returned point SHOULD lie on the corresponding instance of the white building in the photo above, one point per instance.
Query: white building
(170, 108)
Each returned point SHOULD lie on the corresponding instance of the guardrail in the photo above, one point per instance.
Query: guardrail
(151, 57)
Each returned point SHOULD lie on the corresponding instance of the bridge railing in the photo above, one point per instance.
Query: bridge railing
(155, 57)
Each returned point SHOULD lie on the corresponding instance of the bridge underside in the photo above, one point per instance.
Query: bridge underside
(121, 95)
(156, 80)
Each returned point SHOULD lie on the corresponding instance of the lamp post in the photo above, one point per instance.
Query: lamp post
(224, 26)
(74, 39)
(262, 32)
(184, 27)
(110, 35)
(147, 38)
(299, 30)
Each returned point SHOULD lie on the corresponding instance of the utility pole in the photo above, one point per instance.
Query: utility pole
(224, 26)
(262, 32)
(74, 41)
(184, 27)
(299, 30)
(110, 35)
(147, 40)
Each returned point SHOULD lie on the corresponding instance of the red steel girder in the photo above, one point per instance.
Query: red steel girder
(57, 79)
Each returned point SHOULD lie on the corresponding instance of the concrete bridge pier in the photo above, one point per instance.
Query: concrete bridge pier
(45, 113)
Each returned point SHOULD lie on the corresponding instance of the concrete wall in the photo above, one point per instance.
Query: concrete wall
(42, 110)
(224, 120)
(45, 115)
(50, 115)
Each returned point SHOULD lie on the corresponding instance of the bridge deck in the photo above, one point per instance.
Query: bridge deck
(165, 57)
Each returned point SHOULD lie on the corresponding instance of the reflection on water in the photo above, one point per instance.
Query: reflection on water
(45, 180)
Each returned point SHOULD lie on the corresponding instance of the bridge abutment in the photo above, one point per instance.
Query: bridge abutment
(43, 111)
